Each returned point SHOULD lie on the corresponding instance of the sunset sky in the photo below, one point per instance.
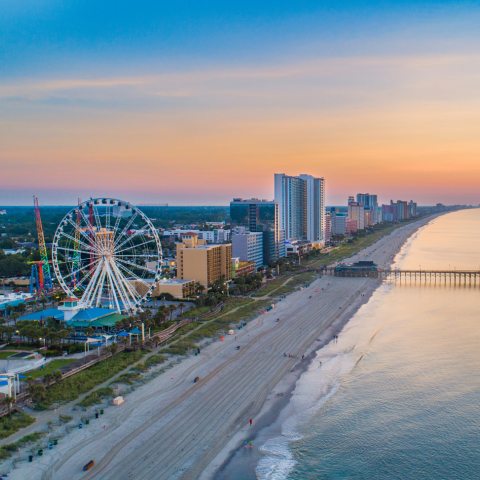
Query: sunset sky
(194, 103)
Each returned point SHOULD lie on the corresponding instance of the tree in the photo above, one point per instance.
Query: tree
(21, 307)
(43, 301)
(199, 288)
(57, 375)
(9, 309)
(181, 306)
(14, 317)
(47, 378)
(114, 348)
(8, 401)
(9, 331)
(62, 335)
(37, 392)
(89, 331)
(171, 309)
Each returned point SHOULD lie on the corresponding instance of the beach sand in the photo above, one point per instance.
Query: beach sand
(173, 428)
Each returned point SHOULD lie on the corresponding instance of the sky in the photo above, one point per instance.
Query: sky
(194, 103)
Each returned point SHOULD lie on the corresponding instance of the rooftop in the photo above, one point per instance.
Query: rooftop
(43, 314)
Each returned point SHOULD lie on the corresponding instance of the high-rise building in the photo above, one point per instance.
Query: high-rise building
(339, 223)
(368, 216)
(389, 213)
(402, 209)
(356, 212)
(301, 207)
(248, 247)
(369, 201)
(201, 262)
(412, 209)
(258, 216)
(352, 226)
(328, 226)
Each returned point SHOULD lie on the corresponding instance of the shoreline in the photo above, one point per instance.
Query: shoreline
(269, 423)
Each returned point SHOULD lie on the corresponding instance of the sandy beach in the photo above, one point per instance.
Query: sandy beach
(174, 428)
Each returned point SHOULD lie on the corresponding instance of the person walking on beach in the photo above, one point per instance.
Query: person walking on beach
(251, 443)
(245, 444)
(250, 422)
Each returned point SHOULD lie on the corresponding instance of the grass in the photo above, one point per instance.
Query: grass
(50, 367)
(127, 378)
(97, 396)
(195, 312)
(273, 285)
(9, 449)
(4, 354)
(72, 387)
(223, 322)
(296, 281)
(151, 361)
(9, 424)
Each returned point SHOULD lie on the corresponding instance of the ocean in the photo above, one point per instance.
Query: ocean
(397, 395)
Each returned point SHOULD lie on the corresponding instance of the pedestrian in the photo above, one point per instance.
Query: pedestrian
(284, 354)
(250, 422)
(245, 444)
(303, 356)
(251, 443)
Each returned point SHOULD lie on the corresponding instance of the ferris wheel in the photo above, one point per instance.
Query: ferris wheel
(107, 253)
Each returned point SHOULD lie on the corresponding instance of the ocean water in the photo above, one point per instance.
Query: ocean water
(398, 395)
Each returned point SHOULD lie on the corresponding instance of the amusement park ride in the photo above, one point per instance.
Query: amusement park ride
(105, 252)
(40, 277)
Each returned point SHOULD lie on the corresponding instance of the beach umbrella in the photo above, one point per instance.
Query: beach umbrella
(123, 334)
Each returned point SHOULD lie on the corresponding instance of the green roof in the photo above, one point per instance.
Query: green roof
(108, 321)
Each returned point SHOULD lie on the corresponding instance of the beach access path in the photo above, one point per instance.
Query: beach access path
(173, 428)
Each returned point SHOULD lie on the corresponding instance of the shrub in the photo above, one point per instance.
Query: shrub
(12, 423)
(82, 382)
(97, 396)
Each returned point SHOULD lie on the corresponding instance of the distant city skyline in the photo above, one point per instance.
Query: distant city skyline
(196, 104)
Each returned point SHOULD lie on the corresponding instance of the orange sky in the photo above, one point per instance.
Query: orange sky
(404, 127)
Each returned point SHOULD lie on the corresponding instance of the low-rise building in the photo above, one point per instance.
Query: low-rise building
(201, 262)
(178, 288)
(242, 268)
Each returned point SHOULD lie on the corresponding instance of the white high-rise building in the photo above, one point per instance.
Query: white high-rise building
(301, 207)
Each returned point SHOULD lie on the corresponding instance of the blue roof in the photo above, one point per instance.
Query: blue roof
(92, 314)
(135, 331)
(123, 334)
(13, 303)
(43, 314)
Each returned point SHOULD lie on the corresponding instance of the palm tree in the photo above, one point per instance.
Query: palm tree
(37, 392)
(114, 348)
(57, 375)
(89, 331)
(47, 378)
(8, 401)
(181, 306)
(171, 309)
(62, 335)
(199, 288)
(14, 316)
